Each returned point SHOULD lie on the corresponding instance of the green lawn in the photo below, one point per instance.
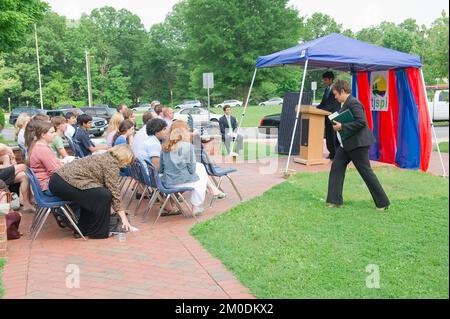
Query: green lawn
(288, 244)
(2, 262)
(443, 147)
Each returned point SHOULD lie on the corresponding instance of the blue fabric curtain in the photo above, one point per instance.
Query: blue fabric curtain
(408, 149)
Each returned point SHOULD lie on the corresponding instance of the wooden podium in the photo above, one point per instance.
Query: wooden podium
(311, 135)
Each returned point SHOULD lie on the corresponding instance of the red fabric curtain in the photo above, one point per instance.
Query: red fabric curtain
(364, 95)
(416, 84)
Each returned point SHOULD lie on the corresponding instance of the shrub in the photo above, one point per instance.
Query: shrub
(2, 120)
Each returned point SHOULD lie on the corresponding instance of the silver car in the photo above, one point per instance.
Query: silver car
(189, 104)
(274, 101)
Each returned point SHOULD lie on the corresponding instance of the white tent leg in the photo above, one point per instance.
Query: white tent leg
(245, 109)
(296, 116)
(444, 173)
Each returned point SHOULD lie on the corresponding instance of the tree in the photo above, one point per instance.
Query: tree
(16, 18)
(435, 55)
(225, 37)
(319, 25)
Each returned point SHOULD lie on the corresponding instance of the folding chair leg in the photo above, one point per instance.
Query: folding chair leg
(140, 200)
(234, 186)
(47, 212)
(218, 186)
(189, 208)
(132, 195)
(35, 219)
(150, 205)
(162, 208)
(38, 221)
(71, 221)
(128, 186)
(72, 214)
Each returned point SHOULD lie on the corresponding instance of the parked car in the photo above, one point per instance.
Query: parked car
(199, 115)
(269, 123)
(232, 103)
(61, 107)
(274, 101)
(99, 125)
(22, 109)
(104, 112)
(189, 104)
(142, 107)
(439, 106)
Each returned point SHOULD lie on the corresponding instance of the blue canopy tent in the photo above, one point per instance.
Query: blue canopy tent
(338, 52)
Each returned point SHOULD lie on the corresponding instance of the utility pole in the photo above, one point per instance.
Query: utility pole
(39, 67)
(88, 76)
(9, 104)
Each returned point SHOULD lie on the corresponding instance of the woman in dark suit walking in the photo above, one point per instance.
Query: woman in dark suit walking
(354, 148)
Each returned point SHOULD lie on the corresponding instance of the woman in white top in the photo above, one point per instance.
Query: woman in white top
(113, 127)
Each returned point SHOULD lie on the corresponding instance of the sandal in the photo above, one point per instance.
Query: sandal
(172, 212)
(220, 196)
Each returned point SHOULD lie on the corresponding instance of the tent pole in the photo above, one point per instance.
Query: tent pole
(432, 127)
(245, 109)
(296, 116)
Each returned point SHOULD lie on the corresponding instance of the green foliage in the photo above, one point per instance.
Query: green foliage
(16, 19)
(2, 119)
(287, 244)
(129, 64)
(2, 262)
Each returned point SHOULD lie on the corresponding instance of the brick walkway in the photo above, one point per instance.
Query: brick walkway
(156, 262)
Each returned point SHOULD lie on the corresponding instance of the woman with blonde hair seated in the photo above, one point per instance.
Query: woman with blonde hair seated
(20, 125)
(113, 128)
(179, 167)
(92, 182)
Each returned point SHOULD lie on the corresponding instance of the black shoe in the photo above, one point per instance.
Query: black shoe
(139, 195)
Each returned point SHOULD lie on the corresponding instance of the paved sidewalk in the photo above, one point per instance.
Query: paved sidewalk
(163, 261)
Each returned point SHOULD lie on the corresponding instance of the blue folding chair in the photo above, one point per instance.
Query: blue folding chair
(215, 171)
(48, 204)
(169, 192)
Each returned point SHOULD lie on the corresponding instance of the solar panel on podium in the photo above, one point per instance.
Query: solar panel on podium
(287, 121)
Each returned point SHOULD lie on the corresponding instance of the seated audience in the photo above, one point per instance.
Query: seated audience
(82, 136)
(124, 134)
(92, 182)
(71, 126)
(150, 148)
(129, 115)
(113, 127)
(13, 174)
(42, 159)
(21, 123)
(122, 108)
(141, 135)
(168, 116)
(59, 124)
(158, 110)
(179, 167)
(29, 129)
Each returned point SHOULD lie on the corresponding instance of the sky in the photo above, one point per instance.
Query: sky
(352, 14)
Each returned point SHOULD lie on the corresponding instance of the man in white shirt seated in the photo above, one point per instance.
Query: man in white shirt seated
(149, 147)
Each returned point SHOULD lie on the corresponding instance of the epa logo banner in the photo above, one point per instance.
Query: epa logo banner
(379, 84)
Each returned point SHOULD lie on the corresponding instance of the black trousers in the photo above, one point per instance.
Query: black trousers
(95, 206)
(360, 158)
(330, 137)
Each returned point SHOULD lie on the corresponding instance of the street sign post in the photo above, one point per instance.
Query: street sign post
(208, 83)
